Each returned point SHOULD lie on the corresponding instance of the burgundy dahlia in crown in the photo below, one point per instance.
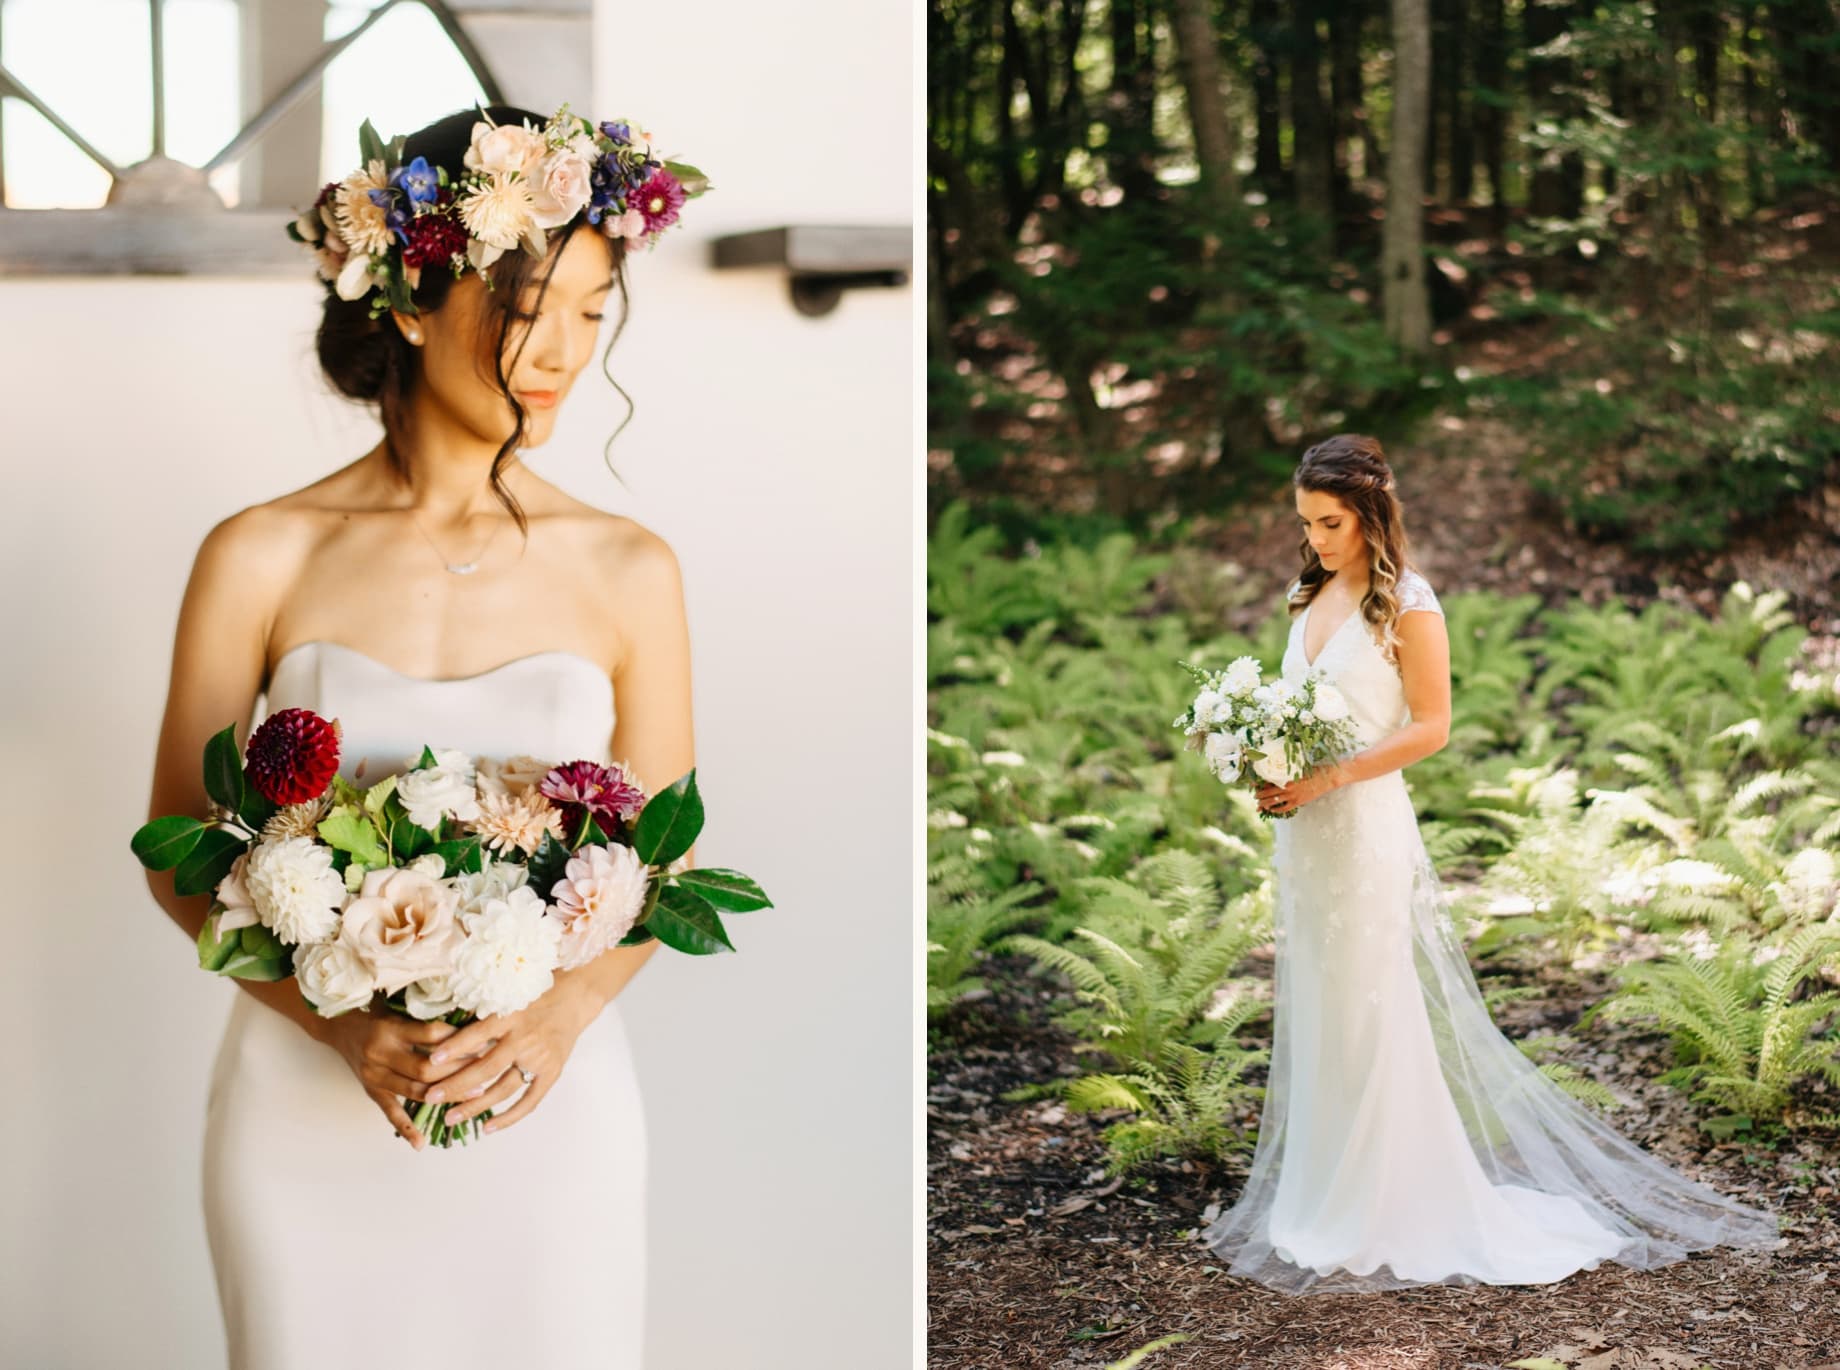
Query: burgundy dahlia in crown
(293, 756)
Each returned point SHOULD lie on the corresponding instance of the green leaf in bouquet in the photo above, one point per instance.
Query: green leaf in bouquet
(165, 842)
(348, 829)
(208, 862)
(376, 798)
(407, 841)
(223, 769)
(687, 921)
(728, 890)
(546, 864)
(257, 808)
(214, 951)
(354, 876)
(670, 821)
(259, 955)
(426, 760)
(344, 792)
(370, 144)
(462, 854)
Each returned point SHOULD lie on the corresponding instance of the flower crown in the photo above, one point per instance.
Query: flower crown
(376, 229)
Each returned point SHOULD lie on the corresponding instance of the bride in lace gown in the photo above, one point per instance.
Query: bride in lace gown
(1404, 1139)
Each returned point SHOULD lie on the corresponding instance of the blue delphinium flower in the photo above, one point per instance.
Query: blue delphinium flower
(618, 130)
(396, 213)
(418, 180)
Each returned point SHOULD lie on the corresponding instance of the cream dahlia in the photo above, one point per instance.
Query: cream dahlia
(598, 899)
(296, 892)
(361, 221)
(517, 821)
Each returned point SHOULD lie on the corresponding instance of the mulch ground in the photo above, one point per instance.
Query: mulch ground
(1035, 1259)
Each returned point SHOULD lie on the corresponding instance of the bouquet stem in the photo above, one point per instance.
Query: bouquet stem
(431, 1121)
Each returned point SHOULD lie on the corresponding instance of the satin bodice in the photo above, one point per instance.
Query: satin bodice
(557, 706)
(1352, 661)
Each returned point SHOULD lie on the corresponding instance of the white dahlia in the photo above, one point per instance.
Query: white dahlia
(297, 893)
(360, 220)
(508, 957)
(598, 899)
(498, 211)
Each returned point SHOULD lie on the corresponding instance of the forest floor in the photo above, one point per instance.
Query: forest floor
(1036, 1260)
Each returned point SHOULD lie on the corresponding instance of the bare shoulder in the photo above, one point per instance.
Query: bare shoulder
(636, 559)
(258, 546)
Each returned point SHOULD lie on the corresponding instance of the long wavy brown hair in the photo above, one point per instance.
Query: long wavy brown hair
(1353, 468)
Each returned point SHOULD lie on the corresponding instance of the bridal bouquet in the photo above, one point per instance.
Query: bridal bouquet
(455, 889)
(1277, 731)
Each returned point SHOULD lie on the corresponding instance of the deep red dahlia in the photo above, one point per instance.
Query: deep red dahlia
(293, 756)
(603, 791)
(434, 238)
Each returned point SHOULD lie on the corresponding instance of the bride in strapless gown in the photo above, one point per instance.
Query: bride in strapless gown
(323, 1226)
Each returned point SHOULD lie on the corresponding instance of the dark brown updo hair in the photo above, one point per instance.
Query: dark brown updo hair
(1353, 468)
(369, 360)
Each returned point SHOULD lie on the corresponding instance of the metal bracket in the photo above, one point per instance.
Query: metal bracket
(823, 261)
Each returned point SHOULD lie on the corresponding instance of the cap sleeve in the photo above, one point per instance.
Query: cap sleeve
(1415, 593)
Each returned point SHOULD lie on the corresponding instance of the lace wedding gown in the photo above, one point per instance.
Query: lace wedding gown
(337, 1243)
(1404, 1140)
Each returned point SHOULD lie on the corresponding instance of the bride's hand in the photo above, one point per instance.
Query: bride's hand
(1289, 798)
(481, 1059)
(389, 1055)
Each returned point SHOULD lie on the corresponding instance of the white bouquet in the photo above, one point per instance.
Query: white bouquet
(1251, 730)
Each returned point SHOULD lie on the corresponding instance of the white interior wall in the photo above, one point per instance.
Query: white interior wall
(773, 452)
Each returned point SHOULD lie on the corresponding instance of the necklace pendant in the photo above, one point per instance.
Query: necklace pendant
(464, 569)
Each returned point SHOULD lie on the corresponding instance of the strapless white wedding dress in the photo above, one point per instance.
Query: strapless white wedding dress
(333, 1240)
(1404, 1140)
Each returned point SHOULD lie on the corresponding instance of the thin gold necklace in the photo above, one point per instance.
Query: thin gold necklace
(464, 568)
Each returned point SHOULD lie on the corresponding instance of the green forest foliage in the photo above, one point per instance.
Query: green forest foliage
(1629, 241)
(1657, 787)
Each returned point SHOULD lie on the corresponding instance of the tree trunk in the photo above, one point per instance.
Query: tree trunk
(1345, 96)
(1199, 55)
(1402, 258)
(1265, 30)
(1492, 75)
(1313, 168)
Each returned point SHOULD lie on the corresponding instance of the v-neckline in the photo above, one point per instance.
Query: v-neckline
(1303, 635)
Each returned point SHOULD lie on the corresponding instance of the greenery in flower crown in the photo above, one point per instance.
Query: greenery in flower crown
(378, 228)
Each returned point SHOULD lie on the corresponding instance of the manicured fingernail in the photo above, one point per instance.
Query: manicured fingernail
(438, 1057)
(489, 1127)
(436, 1095)
(476, 1093)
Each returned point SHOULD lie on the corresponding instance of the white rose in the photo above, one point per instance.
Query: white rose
(509, 775)
(475, 889)
(505, 148)
(1330, 705)
(560, 189)
(296, 892)
(402, 925)
(333, 977)
(1307, 716)
(431, 997)
(1271, 766)
(508, 957)
(239, 909)
(444, 788)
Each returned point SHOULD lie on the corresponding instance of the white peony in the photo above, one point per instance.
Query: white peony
(508, 957)
(334, 978)
(1331, 705)
(432, 997)
(297, 893)
(444, 788)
